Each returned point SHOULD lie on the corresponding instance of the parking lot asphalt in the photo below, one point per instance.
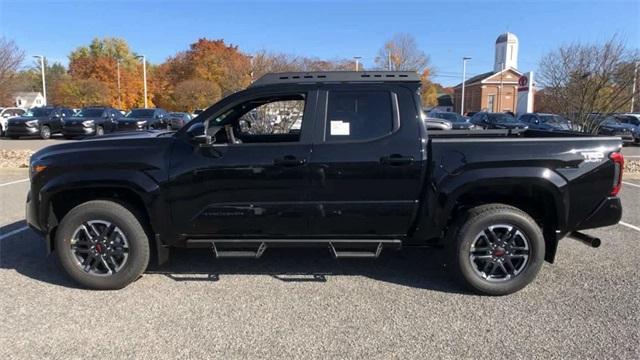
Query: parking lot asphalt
(302, 303)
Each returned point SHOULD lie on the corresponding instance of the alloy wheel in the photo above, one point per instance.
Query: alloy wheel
(99, 248)
(499, 253)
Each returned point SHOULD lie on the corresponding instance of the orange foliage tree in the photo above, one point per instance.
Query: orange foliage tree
(210, 65)
(99, 61)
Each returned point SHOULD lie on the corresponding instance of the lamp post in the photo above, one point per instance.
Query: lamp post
(635, 79)
(119, 94)
(357, 58)
(464, 75)
(44, 84)
(144, 76)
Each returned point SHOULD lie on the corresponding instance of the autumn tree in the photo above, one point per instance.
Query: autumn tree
(582, 81)
(82, 92)
(11, 58)
(99, 61)
(210, 65)
(401, 53)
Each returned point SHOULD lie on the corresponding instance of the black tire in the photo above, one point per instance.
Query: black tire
(471, 224)
(13, 137)
(126, 221)
(45, 132)
(99, 131)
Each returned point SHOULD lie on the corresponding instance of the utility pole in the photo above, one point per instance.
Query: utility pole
(44, 84)
(144, 76)
(357, 62)
(119, 95)
(633, 88)
(464, 75)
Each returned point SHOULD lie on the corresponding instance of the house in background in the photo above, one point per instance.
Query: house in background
(497, 90)
(28, 100)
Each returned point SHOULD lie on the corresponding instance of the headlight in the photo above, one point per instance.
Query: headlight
(31, 123)
(141, 122)
(87, 123)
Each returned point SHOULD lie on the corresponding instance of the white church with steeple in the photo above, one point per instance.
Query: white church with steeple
(503, 89)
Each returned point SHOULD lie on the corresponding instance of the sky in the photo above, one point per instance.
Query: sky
(445, 30)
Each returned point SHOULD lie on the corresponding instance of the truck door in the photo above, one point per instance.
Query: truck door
(367, 161)
(254, 180)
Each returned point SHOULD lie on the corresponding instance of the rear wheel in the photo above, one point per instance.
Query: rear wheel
(499, 249)
(45, 132)
(102, 245)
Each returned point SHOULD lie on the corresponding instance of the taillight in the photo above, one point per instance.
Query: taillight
(618, 162)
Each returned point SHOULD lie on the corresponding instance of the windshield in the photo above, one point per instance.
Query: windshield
(501, 118)
(90, 113)
(553, 119)
(140, 113)
(38, 112)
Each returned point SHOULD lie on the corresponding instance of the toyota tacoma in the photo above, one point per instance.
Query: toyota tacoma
(341, 160)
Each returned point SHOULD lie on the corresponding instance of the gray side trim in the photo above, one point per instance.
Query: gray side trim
(506, 139)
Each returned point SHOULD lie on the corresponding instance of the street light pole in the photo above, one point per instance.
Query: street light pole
(633, 88)
(144, 77)
(464, 75)
(357, 62)
(44, 84)
(119, 94)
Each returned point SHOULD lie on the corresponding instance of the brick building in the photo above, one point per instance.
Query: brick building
(495, 90)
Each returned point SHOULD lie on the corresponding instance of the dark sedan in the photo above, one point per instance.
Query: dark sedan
(613, 126)
(177, 120)
(549, 122)
(42, 122)
(489, 120)
(143, 119)
(91, 121)
(458, 122)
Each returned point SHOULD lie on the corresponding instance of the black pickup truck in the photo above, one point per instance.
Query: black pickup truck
(335, 159)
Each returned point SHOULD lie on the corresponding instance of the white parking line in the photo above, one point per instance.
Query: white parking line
(632, 156)
(13, 232)
(14, 182)
(631, 184)
(629, 226)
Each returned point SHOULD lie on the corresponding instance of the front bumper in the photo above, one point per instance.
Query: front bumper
(609, 212)
(22, 130)
(131, 127)
(77, 130)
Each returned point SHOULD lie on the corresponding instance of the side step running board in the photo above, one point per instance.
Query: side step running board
(222, 253)
(356, 253)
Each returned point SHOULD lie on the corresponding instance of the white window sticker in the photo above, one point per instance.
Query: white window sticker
(339, 127)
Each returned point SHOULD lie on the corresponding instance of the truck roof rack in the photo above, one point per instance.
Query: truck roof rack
(335, 76)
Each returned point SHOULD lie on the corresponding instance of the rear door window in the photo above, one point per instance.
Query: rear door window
(358, 115)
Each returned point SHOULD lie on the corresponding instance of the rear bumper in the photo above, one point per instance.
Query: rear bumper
(609, 212)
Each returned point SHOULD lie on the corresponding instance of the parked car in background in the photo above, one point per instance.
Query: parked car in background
(6, 114)
(542, 121)
(143, 119)
(492, 120)
(91, 121)
(458, 122)
(40, 121)
(612, 125)
(196, 112)
(177, 120)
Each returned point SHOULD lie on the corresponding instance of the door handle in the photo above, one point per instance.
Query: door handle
(289, 160)
(396, 160)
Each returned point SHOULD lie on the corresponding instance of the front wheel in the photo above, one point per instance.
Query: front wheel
(499, 249)
(45, 132)
(102, 245)
(99, 131)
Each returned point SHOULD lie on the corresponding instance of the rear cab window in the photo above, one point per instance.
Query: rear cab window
(358, 115)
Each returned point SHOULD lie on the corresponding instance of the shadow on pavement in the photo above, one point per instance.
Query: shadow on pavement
(24, 252)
